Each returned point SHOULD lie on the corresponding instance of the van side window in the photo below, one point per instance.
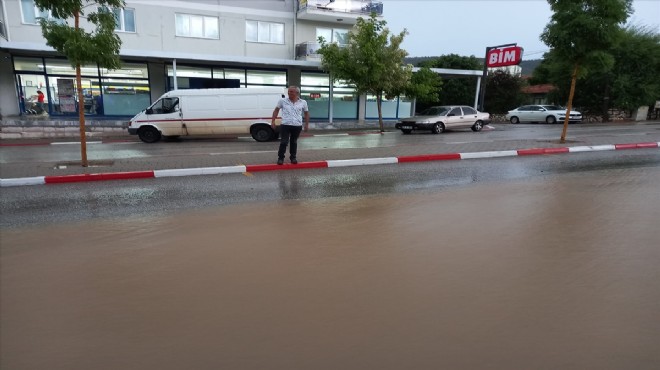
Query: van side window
(166, 105)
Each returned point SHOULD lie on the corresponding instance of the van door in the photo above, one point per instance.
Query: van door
(202, 115)
(165, 114)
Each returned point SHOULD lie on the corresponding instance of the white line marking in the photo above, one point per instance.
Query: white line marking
(500, 153)
(248, 152)
(361, 162)
(199, 171)
(74, 143)
(39, 180)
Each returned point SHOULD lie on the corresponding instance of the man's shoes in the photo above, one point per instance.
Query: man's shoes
(280, 161)
(294, 161)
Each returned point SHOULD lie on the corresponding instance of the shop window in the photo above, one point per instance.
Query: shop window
(63, 67)
(188, 25)
(238, 74)
(266, 77)
(28, 64)
(127, 70)
(267, 32)
(124, 97)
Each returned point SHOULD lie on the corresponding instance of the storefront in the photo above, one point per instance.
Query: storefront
(121, 92)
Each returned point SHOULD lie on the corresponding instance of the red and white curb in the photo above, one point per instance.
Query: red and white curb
(40, 180)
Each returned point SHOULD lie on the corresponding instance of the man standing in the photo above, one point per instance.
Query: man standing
(293, 108)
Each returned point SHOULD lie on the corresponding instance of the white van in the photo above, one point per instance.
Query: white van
(209, 112)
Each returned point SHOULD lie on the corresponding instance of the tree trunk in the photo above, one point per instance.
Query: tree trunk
(81, 107)
(380, 111)
(570, 103)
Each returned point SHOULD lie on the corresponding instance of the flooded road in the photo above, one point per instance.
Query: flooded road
(557, 272)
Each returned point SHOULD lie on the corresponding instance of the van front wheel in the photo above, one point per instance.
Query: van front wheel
(262, 133)
(149, 134)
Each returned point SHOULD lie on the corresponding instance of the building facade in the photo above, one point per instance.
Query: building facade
(176, 44)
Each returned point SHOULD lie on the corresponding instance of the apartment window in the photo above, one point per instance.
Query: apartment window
(188, 25)
(31, 13)
(3, 30)
(267, 32)
(124, 19)
(331, 35)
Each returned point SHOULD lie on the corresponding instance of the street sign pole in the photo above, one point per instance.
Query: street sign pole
(482, 94)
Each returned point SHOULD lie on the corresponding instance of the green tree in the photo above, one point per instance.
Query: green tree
(581, 32)
(371, 60)
(503, 91)
(100, 46)
(455, 90)
(632, 80)
(425, 86)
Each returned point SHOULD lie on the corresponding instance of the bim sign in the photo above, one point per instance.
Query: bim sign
(510, 56)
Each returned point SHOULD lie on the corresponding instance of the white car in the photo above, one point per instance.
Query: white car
(438, 119)
(542, 113)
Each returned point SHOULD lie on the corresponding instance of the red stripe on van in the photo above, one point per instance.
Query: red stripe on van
(206, 119)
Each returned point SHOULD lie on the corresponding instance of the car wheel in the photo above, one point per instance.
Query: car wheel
(477, 126)
(438, 128)
(149, 134)
(406, 132)
(550, 119)
(514, 120)
(262, 133)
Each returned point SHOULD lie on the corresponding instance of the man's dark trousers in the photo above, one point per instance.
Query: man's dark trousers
(289, 133)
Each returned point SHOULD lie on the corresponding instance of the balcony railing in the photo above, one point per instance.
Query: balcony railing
(339, 10)
(307, 51)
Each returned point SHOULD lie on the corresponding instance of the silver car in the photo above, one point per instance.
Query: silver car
(542, 113)
(437, 119)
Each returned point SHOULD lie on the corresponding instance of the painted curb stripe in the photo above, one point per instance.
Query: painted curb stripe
(199, 171)
(429, 157)
(286, 166)
(361, 162)
(540, 151)
(495, 154)
(39, 180)
(99, 177)
(593, 148)
(636, 146)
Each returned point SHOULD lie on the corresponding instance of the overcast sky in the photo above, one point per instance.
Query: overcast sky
(467, 27)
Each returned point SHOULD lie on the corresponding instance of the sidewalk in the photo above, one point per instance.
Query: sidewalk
(206, 162)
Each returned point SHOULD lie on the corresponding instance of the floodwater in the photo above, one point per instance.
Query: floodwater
(552, 273)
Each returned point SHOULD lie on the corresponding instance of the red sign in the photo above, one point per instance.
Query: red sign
(503, 57)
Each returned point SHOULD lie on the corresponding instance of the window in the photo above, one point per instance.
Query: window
(188, 25)
(468, 110)
(455, 112)
(31, 13)
(267, 32)
(165, 105)
(338, 36)
(124, 19)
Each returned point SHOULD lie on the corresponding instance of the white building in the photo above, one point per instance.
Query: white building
(204, 43)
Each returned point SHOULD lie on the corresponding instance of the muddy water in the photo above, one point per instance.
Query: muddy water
(554, 274)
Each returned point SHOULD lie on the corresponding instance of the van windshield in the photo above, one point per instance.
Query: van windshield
(165, 105)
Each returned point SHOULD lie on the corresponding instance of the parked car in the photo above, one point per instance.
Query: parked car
(440, 118)
(542, 113)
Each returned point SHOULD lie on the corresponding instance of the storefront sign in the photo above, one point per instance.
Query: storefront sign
(503, 57)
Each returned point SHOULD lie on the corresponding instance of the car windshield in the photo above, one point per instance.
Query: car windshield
(552, 107)
(435, 111)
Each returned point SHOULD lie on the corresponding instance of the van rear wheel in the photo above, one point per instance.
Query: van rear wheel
(262, 133)
(149, 134)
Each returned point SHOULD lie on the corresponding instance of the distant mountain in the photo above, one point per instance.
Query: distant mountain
(527, 66)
